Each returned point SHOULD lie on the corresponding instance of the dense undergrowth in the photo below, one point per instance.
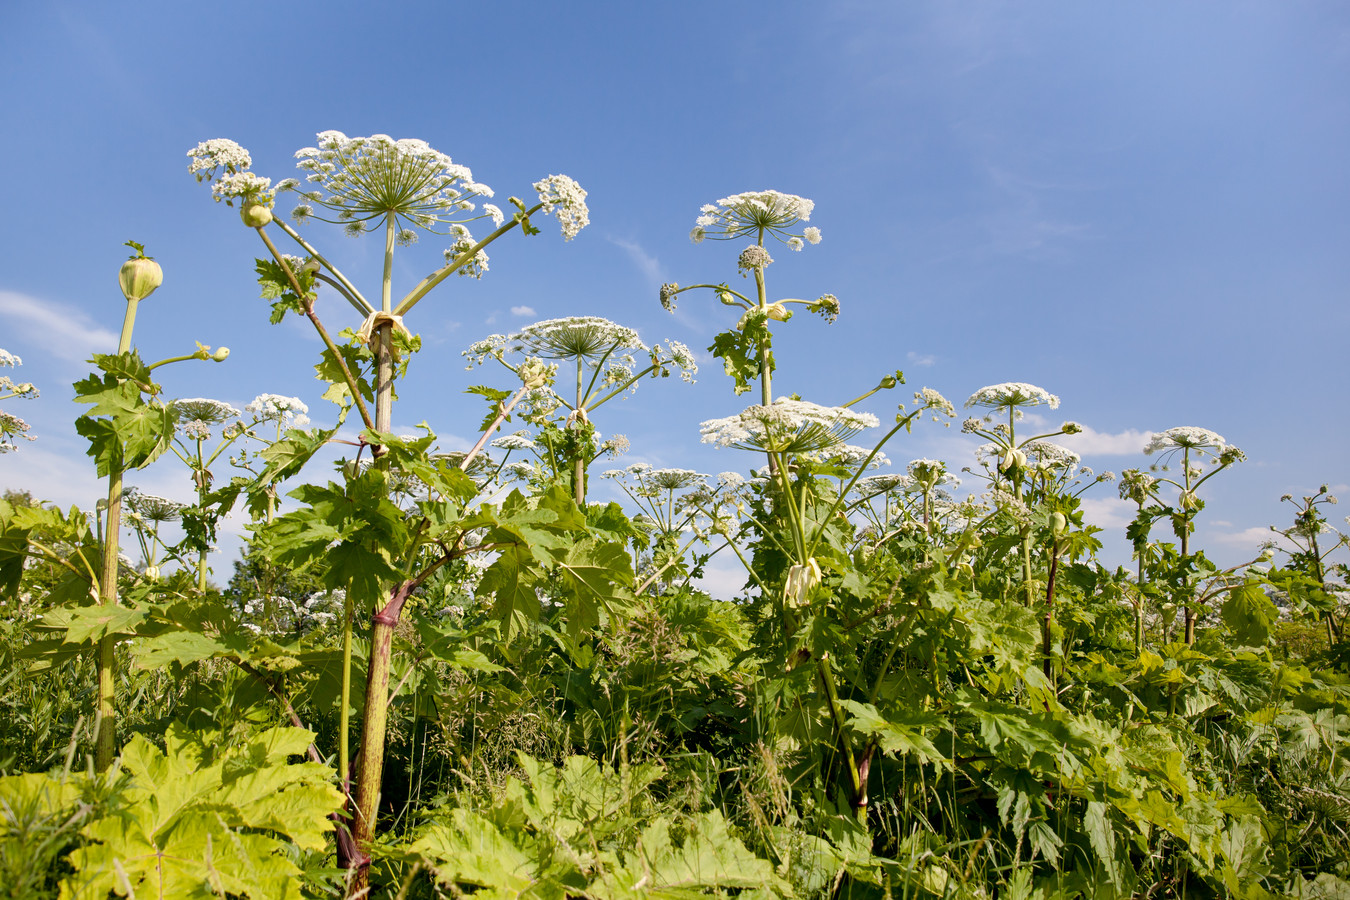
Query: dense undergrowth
(440, 675)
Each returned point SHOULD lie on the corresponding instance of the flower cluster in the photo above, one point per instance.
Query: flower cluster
(208, 156)
(753, 257)
(827, 305)
(668, 292)
(11, 426)
(287, 412)
(564, 199)
(361, 181)
(572, 337)
(151, 507)
(787, 426)
(755, 214)
(680, 356)
(464, 242)
(1012, 395)
(226, 165)
(196, 416)
(928, 398)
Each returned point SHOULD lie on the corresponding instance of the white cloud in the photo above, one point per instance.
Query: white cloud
(649, 265)
(523, 311)
(1248, 538)
(1107, 513)
(65, 332)
(722, 582)
(916, 359)
(1091, 442)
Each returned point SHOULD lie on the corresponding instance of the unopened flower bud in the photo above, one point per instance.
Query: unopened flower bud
(888, 382)
(1058, 524)
(800, 581)
(727, 298)
(534, 373)
(139, 275)
(1012, 458)
(1189, 500)
(221, 354)
(778, 312)
(152, 573)
(255, 214)
(1071, 428)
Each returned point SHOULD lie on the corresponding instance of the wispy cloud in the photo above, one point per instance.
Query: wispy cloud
(1020, 224)
(1091, 442)
(1248, 538)
(523, 311)
(64, 332)
(648, 265)
(920, 359)
(1107, 513)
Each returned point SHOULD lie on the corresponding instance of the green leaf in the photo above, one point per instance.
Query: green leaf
(1249, 614)
(899, 733)
(204, 819)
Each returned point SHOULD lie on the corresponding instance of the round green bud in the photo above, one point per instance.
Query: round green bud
(255, 214)
(138, 277)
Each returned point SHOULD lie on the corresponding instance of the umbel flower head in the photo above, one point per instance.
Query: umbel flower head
(360, 181)
(1012, 395)
(226, 165)
(564, 199)
(787, 426)
(755, 214)
(1193, 442)
(575, 337)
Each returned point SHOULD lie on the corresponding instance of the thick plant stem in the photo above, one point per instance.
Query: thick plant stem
(105, 741)
(1046, 663)
(1190, 606)
(579, 464)
(856, 777)
(373, 727)
(323, 332)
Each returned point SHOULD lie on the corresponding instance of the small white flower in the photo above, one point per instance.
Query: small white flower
(564, 198)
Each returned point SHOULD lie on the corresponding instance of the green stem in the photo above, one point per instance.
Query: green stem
(445, 271)
(105, 741)
(857, 790)
(308, 308)
(578, 464)
(374, 725)
(353, 295)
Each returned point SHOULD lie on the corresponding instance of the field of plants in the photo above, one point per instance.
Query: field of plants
(450, 674)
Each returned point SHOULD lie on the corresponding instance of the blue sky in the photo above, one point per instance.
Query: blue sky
(1140, 207)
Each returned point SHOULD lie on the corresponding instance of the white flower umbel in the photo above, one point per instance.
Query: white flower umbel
(287, 412)
(1186, 437)
(787, 426)
(361, 181)
(575, 337)
(11, 426)
(564, 199)
(151, 507)
(1012, 396)
(222, 154)
(213, 412)
(755, 214)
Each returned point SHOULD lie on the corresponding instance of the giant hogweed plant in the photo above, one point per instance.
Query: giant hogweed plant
(397, 188)
(604, 357)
